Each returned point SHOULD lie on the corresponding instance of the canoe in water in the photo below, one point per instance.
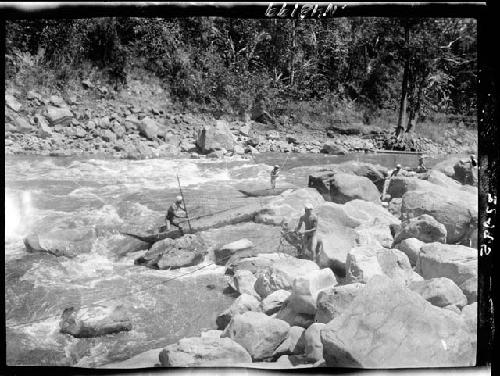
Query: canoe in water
(264, 192)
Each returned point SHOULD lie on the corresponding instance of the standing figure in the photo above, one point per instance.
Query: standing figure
(175, 211)
(396, 170)
(473, 162)
(421, 167)
(274, 176)
(310, 222)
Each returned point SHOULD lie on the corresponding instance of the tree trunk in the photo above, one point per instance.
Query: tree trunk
(404, 88)
(292, 54)
(415, 108)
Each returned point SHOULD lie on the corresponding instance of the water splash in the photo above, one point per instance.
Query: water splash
(18, 215)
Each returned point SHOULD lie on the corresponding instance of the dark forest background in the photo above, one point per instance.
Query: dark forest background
(354, 68)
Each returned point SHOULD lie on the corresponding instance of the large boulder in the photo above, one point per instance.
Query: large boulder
(446, 166)
(174, 253)
(94, 321)
(275, 301)
(306, 289)
(469, 315)
(148, 128)
(424, 228)
(456, 210)
(456, 262)
(440, 292)
(287, 314)
(365, 262)
(242, 304)
(333, 148)
(282, 274)
(313, 347)
(347, 187)
(59, 116)
(389, 326)
(204, 352)
(215, 137)
(128, 245)
(334, 301)
(146, 359)
(61, 242)
(399, 185)
(293, 343)
(244, 282)
(258, 333)
(411, 248)
(288, 205)
(224, 253)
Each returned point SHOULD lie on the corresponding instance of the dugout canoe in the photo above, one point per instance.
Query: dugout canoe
(264, 192)
(157, 236)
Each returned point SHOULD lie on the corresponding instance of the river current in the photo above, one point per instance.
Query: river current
(43, 193)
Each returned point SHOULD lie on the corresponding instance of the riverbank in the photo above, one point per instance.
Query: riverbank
(141, 122)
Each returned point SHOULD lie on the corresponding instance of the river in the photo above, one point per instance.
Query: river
(43, 193)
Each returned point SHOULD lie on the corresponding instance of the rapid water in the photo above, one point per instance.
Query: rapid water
(44, 193)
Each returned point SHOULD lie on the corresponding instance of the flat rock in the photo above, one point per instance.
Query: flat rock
(203, 352)
(456, 262)
(258, 333)
(239, 247)
(389, 326)
(365, 262)
(440, 292)
(95, 321)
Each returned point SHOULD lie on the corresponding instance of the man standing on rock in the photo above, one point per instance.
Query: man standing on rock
(309, 238)
(175, 211)
(274, 176)
(396, 171)
(421, 168)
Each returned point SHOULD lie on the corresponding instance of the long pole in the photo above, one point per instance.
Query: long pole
(184, 200)
(286, 159)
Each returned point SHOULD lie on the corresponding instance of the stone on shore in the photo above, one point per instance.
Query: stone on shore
(242, 304)
(148, 128)
(238, 247)
(204, 352)
(456, 262)
(411, 248)
(334, 301)
(282, 274)
(147, 359)
(306, 289)
(59, 116)
(95, 321)
(275, 301)
(12, 103)
(258, 333)
(333, 148)
(244, 282)
(440, 292)
(293, 343)
(215, 137)
(313, 347)
(365, 262)
(424, 228)
(389, 326)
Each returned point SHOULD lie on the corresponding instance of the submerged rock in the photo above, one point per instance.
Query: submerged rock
(389, 326)
(95, 321)
(63, 242)
(203, 352)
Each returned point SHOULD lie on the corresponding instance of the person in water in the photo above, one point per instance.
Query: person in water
(175, 211)
(309, 238)
(274, 176)
(396, 171)
(421, 167)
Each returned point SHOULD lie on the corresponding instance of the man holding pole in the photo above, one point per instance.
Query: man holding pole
(176, 210)
(274, 176)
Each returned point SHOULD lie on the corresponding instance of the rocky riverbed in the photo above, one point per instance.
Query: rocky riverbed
(395, 283)
(95, 120)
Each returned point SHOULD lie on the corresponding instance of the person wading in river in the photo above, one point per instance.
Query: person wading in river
(309, 239)
(176, 210)
(274, 176)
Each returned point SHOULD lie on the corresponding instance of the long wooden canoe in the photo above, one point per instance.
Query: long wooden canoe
(155, 237)
(264, 192)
